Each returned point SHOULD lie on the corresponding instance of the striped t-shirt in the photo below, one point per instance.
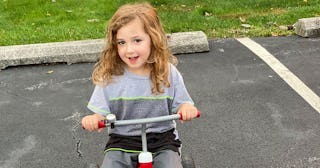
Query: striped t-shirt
(129, 96)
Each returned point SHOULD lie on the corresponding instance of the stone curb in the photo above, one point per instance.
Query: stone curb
(88, 50)
(308, 27)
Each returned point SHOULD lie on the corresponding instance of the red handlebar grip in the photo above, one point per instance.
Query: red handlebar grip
(101, 124)
(198, 114)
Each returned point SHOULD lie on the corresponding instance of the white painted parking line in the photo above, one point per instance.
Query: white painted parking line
(292, 80)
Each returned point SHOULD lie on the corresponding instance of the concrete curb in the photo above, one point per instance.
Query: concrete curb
(88, 50)
(308, 27)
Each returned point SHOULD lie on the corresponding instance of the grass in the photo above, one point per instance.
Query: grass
(39, 21)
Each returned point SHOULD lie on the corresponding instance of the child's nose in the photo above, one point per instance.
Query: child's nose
(130, 48)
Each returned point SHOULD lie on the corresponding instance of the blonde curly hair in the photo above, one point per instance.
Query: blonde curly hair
(111, 64)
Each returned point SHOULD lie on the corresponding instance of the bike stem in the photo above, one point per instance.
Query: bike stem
(144, 138)
(145, 157)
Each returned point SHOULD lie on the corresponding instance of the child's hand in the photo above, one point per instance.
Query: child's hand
(187, 111)
(90, 122)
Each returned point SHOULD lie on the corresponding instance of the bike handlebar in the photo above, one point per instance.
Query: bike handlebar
(105, 123)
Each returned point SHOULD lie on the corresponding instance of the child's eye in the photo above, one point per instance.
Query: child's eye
(121, 42)
(137, 40)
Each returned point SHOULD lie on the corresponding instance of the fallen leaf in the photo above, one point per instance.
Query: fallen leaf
(242, 20)
(48, 14)
(49, 72)
(282, 27)
(207, 14)
(92, 20)
(247, 26)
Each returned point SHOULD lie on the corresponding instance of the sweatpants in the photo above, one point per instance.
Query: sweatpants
(161, 159)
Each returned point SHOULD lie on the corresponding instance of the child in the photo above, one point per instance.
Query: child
(135, 78)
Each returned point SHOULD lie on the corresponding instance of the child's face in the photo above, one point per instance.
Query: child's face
(134, 46)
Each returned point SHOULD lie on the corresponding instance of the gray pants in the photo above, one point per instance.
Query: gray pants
(161, 159)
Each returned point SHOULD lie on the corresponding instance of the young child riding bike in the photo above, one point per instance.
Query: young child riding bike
(136, 78)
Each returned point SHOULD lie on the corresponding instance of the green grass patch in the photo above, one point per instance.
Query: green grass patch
(39, 21)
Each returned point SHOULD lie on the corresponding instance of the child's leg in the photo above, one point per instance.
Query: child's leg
(119, 159)
(167, 159)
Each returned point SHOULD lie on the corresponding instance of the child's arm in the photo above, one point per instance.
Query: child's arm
(188, 111)
(90, 122)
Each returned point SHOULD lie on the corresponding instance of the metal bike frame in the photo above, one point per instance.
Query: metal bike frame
(143, 123)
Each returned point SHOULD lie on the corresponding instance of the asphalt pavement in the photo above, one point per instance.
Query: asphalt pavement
(251, 116)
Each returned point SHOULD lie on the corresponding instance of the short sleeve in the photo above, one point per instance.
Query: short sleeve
(99, 102)
(181, 94)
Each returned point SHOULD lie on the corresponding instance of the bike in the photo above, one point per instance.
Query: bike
(145, 157)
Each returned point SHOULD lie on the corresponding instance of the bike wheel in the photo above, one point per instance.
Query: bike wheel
(188, 162)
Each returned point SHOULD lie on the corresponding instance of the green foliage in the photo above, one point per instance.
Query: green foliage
(38, 21)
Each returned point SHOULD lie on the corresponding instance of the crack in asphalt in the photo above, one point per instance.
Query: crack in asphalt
(75, 118)
(78, 141)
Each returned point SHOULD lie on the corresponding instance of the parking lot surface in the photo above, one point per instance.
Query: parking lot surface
(251, 116)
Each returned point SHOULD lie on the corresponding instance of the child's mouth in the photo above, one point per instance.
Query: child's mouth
(133, 59)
